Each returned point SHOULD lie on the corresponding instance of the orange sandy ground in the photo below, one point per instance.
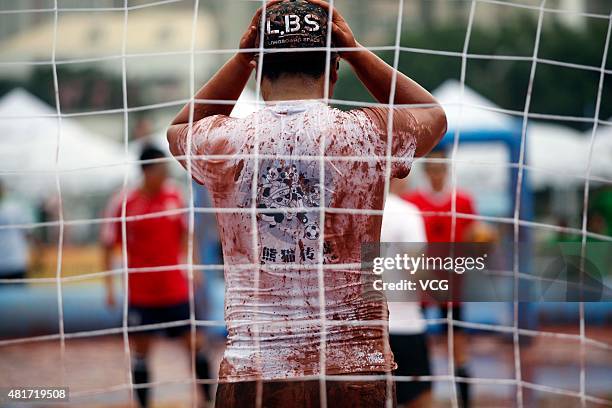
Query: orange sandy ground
(96, 365)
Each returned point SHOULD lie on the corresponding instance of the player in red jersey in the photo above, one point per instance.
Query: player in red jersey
(436, 203)
(158, 291)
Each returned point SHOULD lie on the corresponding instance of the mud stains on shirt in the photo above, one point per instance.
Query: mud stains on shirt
(271, 162)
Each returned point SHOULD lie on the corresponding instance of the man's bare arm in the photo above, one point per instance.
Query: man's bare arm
(227, 84)
(377, 77)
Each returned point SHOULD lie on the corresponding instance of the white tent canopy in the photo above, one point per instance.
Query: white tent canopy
(558, 153)
(29, 158)
(247, 104)
(602, 150)
(563, 154)
(470, 111)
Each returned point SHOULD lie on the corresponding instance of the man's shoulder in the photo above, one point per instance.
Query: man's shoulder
(128, 194)
(403, 204)
(213, 122)
(423, 196)
(264, 113)
(464, 197)
(172, 190)
(360, 115)
(357, 127)
(265, 116)
(414, 197)
(219, 120)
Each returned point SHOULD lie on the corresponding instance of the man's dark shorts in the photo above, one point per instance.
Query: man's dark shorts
(145, 315)
(458, 315)
(14, 274)
(305, 394)
(411, 354)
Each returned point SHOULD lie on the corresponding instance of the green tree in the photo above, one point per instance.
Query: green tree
(556, 90)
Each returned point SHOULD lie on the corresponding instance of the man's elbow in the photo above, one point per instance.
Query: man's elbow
(173, 136)
(434, 127)
(440, 124)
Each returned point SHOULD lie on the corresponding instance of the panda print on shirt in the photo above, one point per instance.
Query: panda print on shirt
(291, 190)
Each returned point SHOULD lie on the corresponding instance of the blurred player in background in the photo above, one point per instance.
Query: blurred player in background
(154, 297)
(402, 222)
(273, 310)
(437, 197)
(601, 206)
(14, 242)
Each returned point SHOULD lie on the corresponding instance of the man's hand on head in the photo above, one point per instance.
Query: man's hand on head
(250, 37)
(227, 84)
(342, 35)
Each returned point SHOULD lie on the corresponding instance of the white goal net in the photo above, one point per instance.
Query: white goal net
(196, 42)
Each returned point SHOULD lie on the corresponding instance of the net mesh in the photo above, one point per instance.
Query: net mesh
(192, 211)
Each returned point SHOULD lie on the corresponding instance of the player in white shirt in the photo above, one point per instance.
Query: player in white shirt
(402, 222)
(14, 242)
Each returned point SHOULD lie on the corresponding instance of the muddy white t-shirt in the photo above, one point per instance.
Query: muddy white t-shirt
(272, 304)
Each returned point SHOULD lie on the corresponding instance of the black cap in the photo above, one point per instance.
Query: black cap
(295, 24)
(150, 152)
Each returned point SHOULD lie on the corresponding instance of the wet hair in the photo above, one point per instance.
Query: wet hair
(150, 153)
(311, 64)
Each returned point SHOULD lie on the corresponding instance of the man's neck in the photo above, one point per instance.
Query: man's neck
(439, 195)
(293, 88)
(150, 191)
